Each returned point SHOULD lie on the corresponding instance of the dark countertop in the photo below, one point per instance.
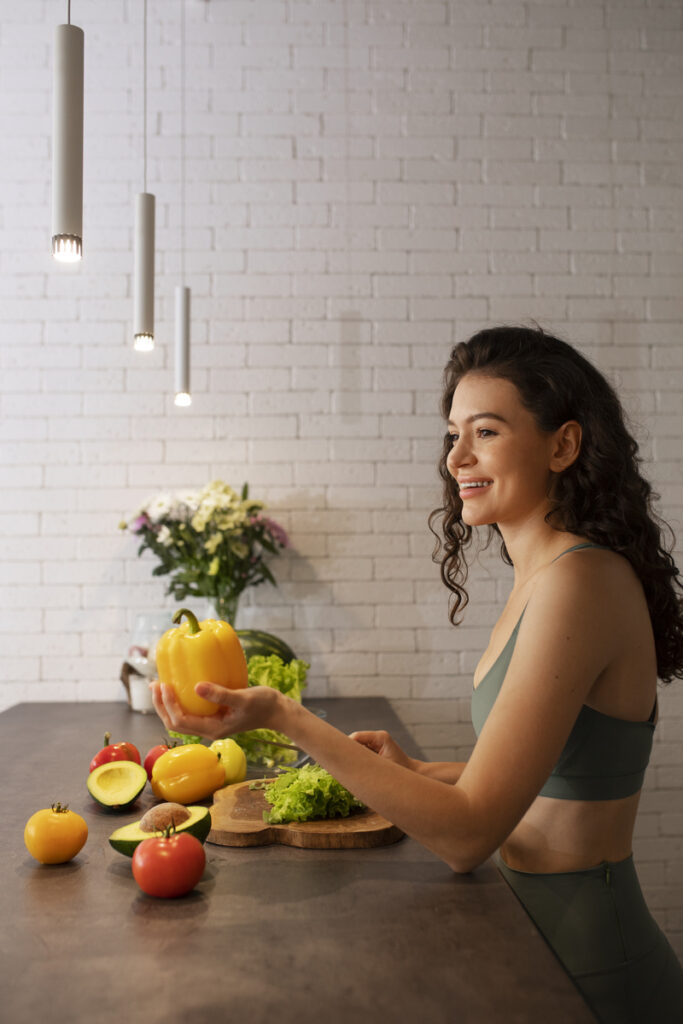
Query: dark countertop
(270, 934)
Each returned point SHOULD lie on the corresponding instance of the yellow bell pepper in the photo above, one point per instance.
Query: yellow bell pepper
(186, 774)
(195, 652)
(233, 759)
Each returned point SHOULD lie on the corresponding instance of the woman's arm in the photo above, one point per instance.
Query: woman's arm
(383, 744)
(445, 771)
(564, 643)
(420, 806)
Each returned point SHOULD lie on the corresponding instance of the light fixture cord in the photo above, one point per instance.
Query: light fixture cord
(347, 152)
(68, 12)
(144, 98)
(182, 141)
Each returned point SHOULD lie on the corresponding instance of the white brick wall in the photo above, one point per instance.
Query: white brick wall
(367, 183)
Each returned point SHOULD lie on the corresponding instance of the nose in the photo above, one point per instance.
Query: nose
(459, 455)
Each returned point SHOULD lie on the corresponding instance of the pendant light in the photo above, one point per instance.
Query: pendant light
(182, 346)
(143, 269)
(182, 293)
(67, 143)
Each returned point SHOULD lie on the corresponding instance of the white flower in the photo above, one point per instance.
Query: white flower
(165, 536)
(188, 501)
(159, 507)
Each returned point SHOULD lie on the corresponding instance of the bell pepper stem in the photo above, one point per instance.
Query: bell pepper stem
(191, 620)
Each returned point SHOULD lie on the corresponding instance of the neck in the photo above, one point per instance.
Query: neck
(532, 547)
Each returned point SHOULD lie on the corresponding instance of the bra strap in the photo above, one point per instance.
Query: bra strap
(576, 548)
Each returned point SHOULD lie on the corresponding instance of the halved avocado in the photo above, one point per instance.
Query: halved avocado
(126, 838)
(117, 784)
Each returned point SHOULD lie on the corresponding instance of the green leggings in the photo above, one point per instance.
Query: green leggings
(599, 927)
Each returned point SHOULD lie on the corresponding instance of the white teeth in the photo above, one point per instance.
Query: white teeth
(477, 483)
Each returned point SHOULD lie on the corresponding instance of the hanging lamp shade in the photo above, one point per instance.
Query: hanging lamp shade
(143, 276)
(182, 346)
(67, 145)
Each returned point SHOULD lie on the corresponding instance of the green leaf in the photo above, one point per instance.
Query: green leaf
(260, 749)
(185, 738)
(306, 794)
(270, 670)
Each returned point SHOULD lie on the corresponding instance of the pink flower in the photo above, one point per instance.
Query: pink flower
(139, 524)
(278, 534)
(276, 531)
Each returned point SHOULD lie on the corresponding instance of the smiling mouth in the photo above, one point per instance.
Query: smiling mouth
(475, 485)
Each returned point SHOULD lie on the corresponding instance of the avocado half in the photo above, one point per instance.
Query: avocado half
(126, 838)
(117, 784)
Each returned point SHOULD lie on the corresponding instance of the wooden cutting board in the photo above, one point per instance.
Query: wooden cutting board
(237, 820)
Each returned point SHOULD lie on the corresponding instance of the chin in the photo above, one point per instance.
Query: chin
(472, 518)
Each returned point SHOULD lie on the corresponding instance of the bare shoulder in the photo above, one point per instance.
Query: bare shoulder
(598, 597)
(591, 574)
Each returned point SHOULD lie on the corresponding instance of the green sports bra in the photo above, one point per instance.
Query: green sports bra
(604, 758)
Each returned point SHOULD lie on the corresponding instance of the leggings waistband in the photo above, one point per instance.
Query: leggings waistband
(625, 866)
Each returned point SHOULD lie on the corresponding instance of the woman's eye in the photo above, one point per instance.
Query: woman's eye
(481, 432)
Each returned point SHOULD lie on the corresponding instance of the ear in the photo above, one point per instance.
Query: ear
(566, 446)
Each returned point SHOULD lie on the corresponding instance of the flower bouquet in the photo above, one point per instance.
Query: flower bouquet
(212, 543)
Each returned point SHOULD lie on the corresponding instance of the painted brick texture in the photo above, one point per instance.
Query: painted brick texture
(367, 183)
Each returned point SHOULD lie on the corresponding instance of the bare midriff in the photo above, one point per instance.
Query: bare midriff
(571, 835)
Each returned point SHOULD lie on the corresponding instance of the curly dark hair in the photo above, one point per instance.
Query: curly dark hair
(602, 496)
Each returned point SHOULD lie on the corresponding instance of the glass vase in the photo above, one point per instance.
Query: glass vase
(225, 608)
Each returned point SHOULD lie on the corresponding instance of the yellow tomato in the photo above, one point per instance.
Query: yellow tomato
(233, 759)
(55, 834)
(186, 774)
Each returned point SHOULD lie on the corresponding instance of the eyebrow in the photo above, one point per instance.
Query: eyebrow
(481, 416)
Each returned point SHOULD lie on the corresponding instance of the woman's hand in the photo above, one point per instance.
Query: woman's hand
(238, 711)
(381, 743)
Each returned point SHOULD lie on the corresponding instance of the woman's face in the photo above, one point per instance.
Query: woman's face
(500, 458)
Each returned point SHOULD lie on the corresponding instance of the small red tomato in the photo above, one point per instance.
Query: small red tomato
(152, 755)
(114, 752)
(168, 866)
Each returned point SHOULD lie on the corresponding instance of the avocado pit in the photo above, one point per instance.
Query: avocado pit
(163, 816)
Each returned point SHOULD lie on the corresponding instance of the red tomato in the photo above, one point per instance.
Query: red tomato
(152, 755)
(168, 866)
(115, 752)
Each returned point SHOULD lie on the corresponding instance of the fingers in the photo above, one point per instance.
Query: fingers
(217, 694)
(158, 701)
(370, 735)
(171, 712)
(372, 740)
(235, 711)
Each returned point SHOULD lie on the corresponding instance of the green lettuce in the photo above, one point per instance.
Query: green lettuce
(270, 670)
(305, 794)
(259, 749)
(185, 738)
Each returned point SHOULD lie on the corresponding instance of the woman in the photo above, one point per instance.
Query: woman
(564, 699)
